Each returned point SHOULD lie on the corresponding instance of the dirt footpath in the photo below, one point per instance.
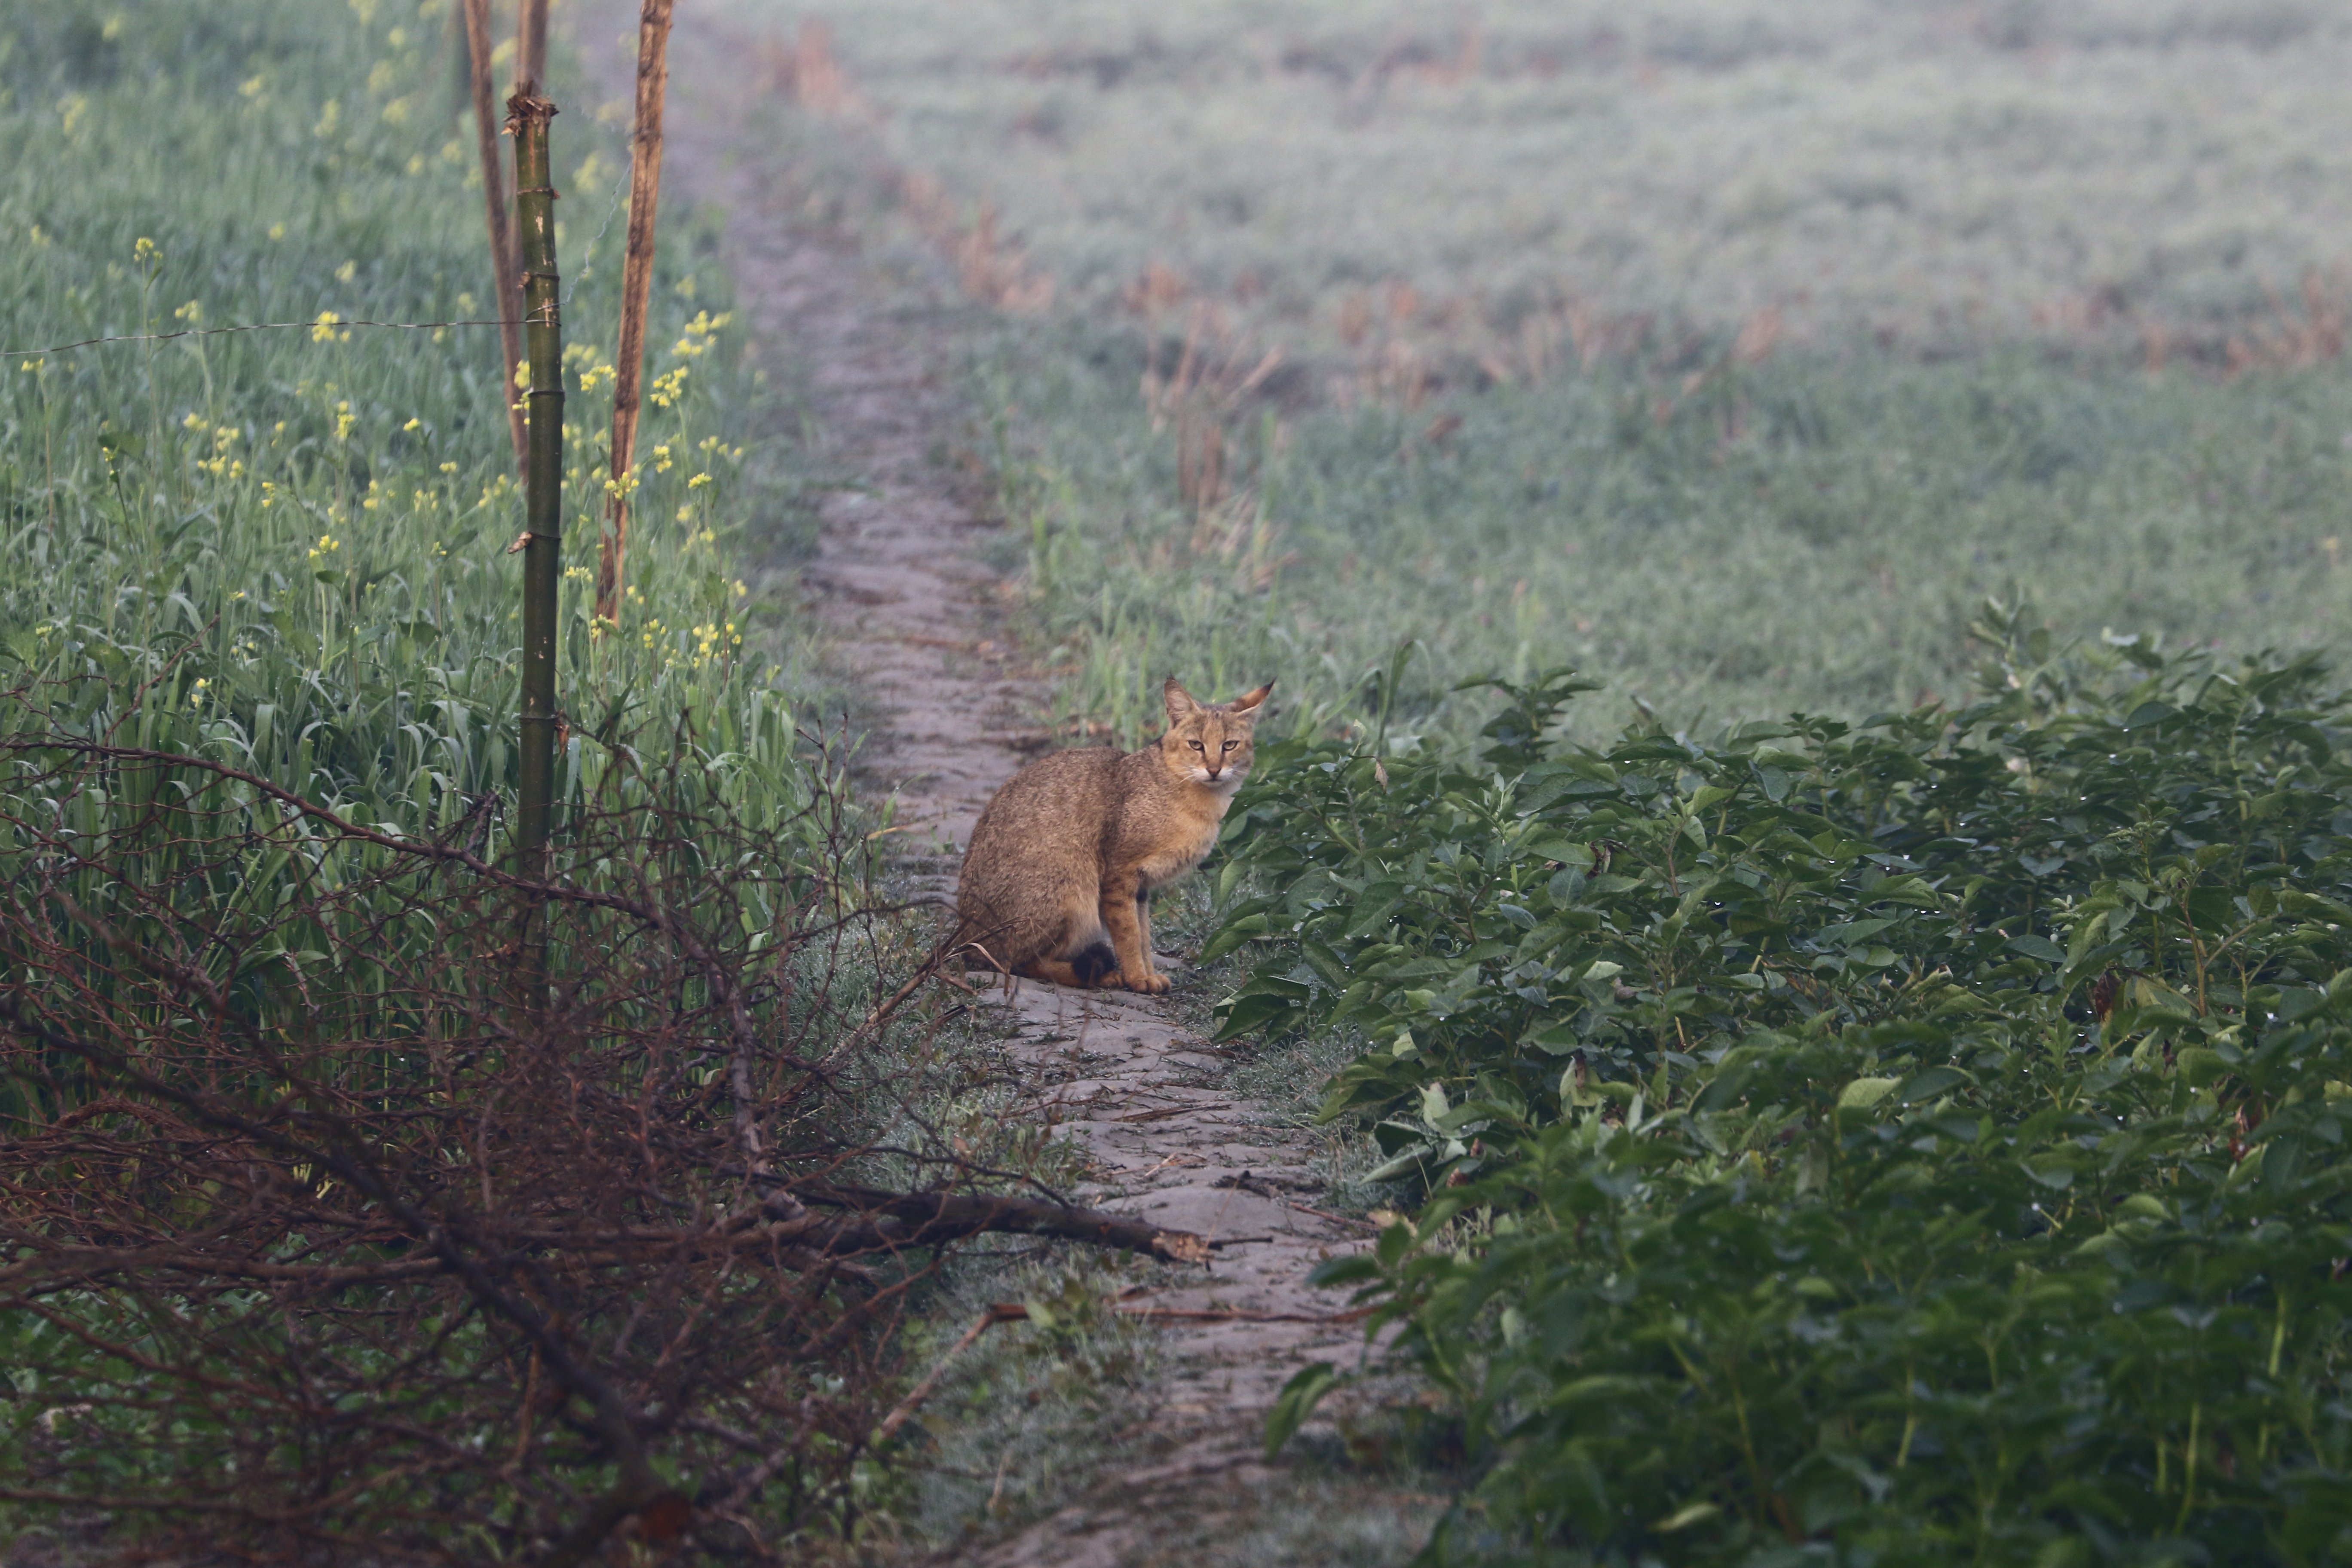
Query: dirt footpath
(917, 623)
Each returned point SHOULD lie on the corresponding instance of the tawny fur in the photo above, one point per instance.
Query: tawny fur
(1057, 880)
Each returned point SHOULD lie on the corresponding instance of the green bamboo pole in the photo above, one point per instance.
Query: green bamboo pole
(526, 120)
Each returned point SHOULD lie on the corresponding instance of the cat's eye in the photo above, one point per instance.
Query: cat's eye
(1230, 744)
(1195, 745)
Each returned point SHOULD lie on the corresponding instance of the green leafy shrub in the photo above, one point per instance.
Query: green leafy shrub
(1909, 1142)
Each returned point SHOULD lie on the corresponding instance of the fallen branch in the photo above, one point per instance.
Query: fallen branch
(1164, 1113)
(919, 1219)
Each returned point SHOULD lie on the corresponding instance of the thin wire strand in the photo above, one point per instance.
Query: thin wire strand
(251, 327)
(587, 253)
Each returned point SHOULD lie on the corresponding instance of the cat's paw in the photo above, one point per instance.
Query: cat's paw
(1149, 985)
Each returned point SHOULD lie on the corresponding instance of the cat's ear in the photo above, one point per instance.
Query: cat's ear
(1180, 705)
(1249, 702)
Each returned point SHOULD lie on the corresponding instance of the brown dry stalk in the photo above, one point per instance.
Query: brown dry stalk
(636, 287)
(506, 291)
(531, 46)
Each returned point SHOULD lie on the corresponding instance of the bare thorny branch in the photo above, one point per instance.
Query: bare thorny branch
(283, 1170)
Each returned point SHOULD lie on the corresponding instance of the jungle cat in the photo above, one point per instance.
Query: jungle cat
(1057, 880)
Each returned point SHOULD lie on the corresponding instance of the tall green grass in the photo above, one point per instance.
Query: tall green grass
(286, 548)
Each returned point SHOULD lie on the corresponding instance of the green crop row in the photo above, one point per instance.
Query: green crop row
(1918, 1141)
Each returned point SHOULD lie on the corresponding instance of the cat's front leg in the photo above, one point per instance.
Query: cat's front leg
(1123, 917)
(1144, 944)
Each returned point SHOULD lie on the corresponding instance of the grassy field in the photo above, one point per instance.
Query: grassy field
(1734, 354)
(1814, 531)
(1936, 171)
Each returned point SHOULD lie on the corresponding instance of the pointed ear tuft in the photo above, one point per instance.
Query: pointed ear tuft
(1251, 702)
(1180, 705)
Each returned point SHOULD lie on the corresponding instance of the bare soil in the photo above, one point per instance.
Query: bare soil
(864, 327)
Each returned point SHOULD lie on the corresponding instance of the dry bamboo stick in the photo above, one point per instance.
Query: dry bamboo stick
(506, 266)
(636, 287)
